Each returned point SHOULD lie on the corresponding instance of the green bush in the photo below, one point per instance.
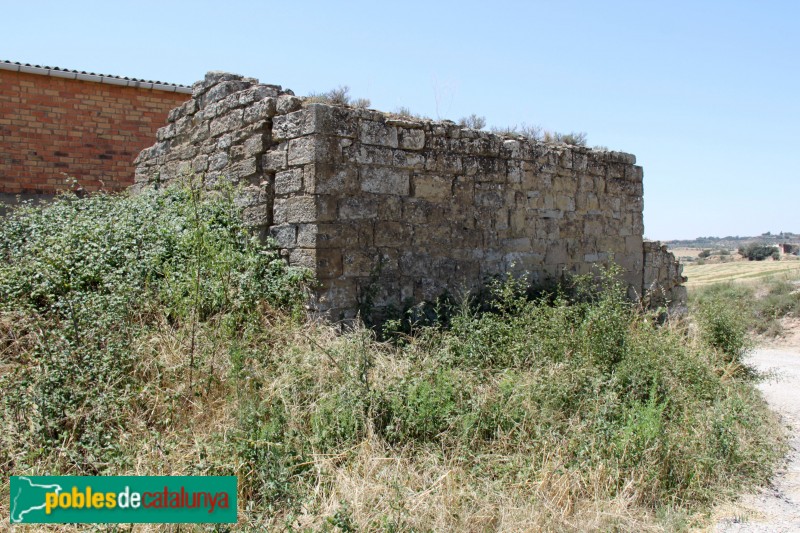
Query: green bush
(739, 304)
(422, 407)
(759, 252)
(85, 275)
(725, 328)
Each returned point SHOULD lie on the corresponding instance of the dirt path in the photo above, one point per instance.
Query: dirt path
(777, 508)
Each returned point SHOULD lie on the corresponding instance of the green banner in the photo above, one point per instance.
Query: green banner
(122, 499)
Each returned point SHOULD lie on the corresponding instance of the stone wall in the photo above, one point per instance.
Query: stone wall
(389, 210)
(662, 277)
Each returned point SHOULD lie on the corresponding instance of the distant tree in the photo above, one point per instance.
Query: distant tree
(704, 254)
(759, 252)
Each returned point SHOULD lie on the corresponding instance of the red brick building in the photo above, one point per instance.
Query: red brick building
(57, 123)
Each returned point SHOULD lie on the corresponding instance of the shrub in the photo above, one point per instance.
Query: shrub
(473, 121)
(421, 408)
(574, 138)
(339, 96)
(759, 252)
(724, 327)
(85, 275)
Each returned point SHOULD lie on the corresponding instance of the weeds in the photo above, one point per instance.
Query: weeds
(742, 307)
(338, 96)
(569, 410)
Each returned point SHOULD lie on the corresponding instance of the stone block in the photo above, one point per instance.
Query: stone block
(392, 234)
(275, 159)
(378, 133)
(295, 209)
(489, 197)
(634, 173)
(226, 123)
(198, 165)
(257, 215)
(565, 203)
(302, 151)
(408, 160)
(516, 245)
(303, 257)
(287, 104)
(245, 169)
(288, 181)
(250, 195)
(329, 264)
(326, 178)
(285, 235)
(382, 180)
(556, 253)
(254, 145)
(289, 126)
(433, 188)
(218, 161)
(187, 108)
(412, 139)
(166, 132)
(433, 235)
(359, 263)
(343, 235)
(261, 110)
(445, 163)
(333, 120)
(372, 155)
(327, 205)
(358, 208)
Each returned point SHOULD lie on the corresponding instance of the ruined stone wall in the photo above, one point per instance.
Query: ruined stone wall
(388, 210)
(662, 277)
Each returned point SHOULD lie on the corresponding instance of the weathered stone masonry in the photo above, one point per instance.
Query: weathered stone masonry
(399, 210)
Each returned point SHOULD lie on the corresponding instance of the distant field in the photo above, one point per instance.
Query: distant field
(740, 271)
(685, 252)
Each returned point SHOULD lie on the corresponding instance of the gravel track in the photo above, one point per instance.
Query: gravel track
(775, 508)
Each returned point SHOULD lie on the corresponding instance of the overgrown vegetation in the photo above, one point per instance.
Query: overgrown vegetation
(532, 132)
(759, 251)
(152, 335)
(756, 307)
(338, 96)
(473, 121)
(84, 280)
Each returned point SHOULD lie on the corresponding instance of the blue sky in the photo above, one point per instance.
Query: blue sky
(706, 94)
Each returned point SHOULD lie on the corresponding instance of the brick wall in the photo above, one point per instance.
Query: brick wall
(52, 127)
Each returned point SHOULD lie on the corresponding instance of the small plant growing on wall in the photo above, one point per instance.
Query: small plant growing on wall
(339, 96)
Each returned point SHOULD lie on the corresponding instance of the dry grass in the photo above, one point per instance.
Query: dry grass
(739, 271)
(539, 430)
(379, 487)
